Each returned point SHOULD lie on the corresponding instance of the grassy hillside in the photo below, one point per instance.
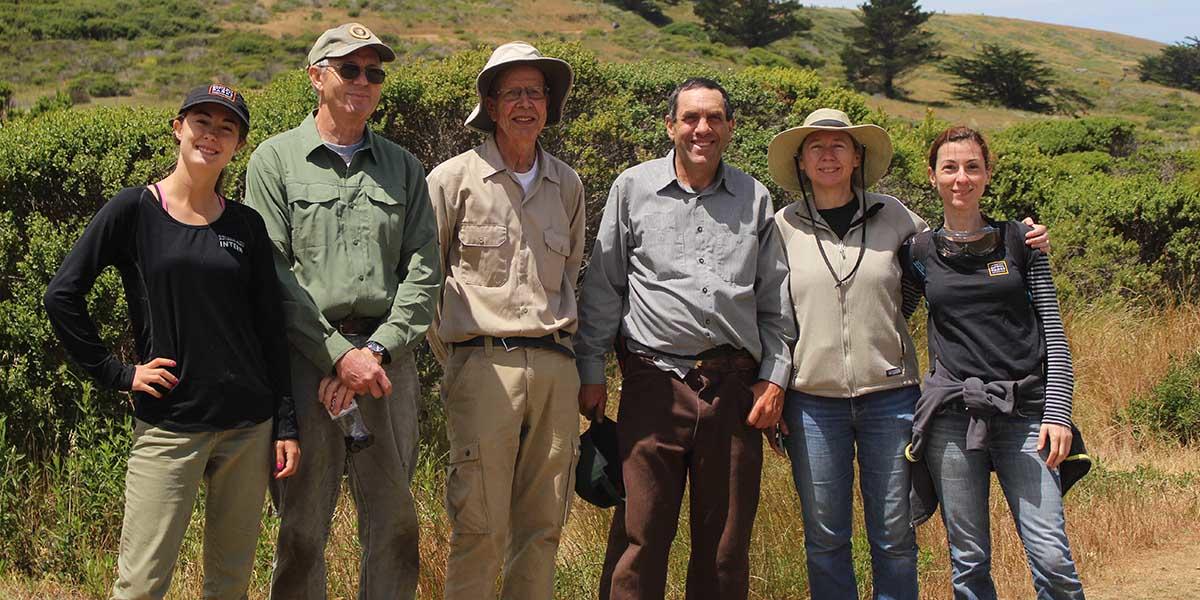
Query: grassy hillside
(247, 42)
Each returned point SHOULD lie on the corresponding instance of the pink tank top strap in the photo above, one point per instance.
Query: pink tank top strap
(161, 199)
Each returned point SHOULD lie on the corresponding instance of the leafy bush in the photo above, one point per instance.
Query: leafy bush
(688, 30)
(122, 19)
(1172, 409)
(1103, 134)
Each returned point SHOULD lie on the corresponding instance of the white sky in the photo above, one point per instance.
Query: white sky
(1167, 21)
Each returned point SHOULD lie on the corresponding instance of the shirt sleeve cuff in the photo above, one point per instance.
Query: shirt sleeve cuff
(1055, 419)
(391, 340)
(775, 371)
(590, 371)
(335, 346)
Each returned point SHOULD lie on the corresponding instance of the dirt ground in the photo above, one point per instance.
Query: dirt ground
(1169, 572)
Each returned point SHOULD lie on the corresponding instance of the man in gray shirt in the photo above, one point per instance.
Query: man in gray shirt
(689, 270)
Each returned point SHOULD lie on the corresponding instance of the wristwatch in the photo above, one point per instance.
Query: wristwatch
(378, 348)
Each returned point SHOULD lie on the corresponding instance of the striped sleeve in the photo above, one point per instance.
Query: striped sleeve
(1060, 374)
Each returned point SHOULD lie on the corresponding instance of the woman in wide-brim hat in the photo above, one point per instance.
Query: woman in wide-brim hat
(211, 387)
(855, 374)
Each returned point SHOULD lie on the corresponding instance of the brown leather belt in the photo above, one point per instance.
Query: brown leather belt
(357, 326)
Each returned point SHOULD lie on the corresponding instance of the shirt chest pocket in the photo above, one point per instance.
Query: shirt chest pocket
(484, 254)
(383, 222)
(315, 214)
(737, 253)
(661, 243)
(553, 260)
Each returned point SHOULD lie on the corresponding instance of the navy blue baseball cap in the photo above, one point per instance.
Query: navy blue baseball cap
(217, 93)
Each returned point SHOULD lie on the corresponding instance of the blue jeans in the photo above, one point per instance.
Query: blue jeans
(824, 436)
(963, 479)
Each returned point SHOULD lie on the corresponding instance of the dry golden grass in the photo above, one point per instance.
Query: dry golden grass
(1141, 496)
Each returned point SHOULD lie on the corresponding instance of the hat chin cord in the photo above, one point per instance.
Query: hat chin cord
(862, 248)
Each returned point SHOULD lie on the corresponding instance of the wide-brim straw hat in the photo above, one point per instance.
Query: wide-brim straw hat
(559, 78)
(784, 148)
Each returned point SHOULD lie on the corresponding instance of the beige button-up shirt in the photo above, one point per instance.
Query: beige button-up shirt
(511, 258)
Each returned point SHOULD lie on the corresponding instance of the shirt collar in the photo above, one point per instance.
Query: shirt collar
(490, 153)
(667, 176)
(311, 138)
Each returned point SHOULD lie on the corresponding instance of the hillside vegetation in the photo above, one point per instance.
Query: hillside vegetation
(155, 52)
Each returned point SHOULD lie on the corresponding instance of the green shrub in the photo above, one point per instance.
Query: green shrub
(1171, 409)
(764, 58)
(122, 19)
(1104, 134)
(692, 31)
(51, 103)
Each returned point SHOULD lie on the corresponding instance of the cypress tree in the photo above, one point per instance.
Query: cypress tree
(888, 42)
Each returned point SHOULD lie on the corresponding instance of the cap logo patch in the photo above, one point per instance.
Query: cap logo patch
(360, 32)
(223, 91)
(997, 268)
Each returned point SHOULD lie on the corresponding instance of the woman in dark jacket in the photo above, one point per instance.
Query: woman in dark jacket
(211, 390)
(998, 395)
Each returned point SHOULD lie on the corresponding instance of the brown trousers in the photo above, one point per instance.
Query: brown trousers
(669, 430)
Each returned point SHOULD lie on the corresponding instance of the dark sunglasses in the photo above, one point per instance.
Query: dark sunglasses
(349, 71)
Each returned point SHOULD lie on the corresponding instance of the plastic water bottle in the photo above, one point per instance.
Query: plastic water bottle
(353, 428)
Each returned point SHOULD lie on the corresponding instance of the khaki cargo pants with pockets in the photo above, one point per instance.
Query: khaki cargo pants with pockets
(512, 419)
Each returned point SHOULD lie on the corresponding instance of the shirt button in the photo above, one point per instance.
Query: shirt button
(701, 261)
(705, 290)
(362, 277)
(700, 230)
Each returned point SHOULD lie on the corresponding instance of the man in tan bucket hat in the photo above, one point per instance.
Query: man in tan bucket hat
(356, 253)
(510, 222)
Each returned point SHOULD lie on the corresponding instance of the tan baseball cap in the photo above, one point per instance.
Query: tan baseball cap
(347, 39)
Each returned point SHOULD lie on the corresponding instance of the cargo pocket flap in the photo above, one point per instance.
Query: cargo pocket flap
(558, 243)
(466, 493)
(381, 195)
(314, 193)
(467, 453)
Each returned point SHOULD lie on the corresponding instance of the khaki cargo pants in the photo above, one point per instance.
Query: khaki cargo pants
(161, 484)
(512, 419)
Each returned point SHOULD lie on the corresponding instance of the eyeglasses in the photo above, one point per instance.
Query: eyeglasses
(514, 94)
(349, 71)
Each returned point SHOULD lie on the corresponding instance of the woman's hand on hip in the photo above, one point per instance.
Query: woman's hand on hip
(150, 374)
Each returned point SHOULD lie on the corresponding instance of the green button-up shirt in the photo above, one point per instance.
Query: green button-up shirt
(357, 241)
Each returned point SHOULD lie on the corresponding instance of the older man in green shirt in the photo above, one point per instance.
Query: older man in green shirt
(356, 251)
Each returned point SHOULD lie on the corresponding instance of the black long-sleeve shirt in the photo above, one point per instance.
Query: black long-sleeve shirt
(204, 296)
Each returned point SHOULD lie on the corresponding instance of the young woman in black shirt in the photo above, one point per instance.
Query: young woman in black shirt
(998, 396)
(211, 388)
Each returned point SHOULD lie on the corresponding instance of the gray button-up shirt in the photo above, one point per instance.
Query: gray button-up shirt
(681, 272)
